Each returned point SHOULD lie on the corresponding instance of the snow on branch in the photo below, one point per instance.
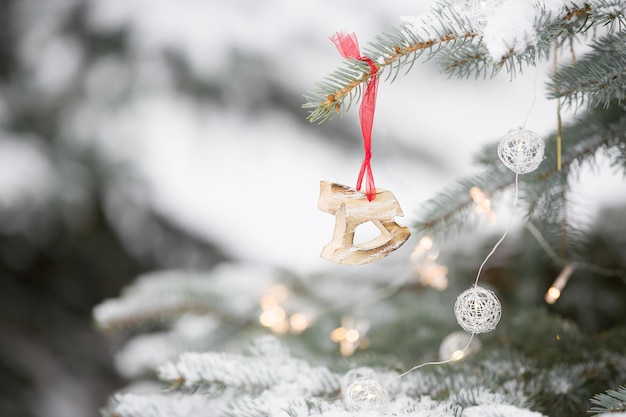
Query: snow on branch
(498, 410)
(268, 381)
(159, 405)
(269, 366)
(144, 353)
(164, 295)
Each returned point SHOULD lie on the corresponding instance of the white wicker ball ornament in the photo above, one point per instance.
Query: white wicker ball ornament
(355, 374)
(477, 310)
(365, 394)
(521, 150)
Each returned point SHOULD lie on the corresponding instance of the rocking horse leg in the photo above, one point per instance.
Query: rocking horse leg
(343, 236)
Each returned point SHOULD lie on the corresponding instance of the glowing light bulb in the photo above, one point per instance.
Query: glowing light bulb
(457, 355)
(552, 295)
(483, 204)
(426, 242)
(298, 323)
(554, 292)
(338, 334)
(424, 266)
(352, 336)
(271, 317)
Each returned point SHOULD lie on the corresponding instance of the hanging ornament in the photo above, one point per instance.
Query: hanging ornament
(365, 394)
(350, 207)
(477, 310)
(352, 375)
(521, 150)
(458, 345)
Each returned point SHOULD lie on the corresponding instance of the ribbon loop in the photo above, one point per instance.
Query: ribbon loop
(348, 47)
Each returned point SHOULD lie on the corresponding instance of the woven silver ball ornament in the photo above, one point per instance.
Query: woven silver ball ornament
(365, 394)
(355, 374)
(521, 150)
(477, 310)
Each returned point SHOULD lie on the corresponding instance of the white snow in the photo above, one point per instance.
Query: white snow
(238, 287)
(510, 27)
(145, 353)
(27, 176)
(280, 374)
(496, 410)
(430, 25)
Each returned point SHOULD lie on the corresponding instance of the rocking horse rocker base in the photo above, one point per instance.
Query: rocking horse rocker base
(351, 208)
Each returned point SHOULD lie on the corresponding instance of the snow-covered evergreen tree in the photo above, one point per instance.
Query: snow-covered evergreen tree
(198, 343)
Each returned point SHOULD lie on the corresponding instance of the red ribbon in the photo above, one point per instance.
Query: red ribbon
(348, 47)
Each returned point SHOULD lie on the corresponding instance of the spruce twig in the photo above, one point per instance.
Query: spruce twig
(328, 97)
(447, 34)
(597, 79)
(610, 401)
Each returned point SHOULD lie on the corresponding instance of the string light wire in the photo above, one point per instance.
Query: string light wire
(495, 247)
(452, 359)
(506, 231)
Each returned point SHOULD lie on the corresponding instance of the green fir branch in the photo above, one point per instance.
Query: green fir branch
(158, 405)
(474, 60)
(544, 192)
(452, 211)
(610, 401)
(391, 52)
(597, 79)
(447, 34)
(160, 297)
(269, 365)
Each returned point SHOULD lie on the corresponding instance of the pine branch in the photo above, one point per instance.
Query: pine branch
(453, 211)
(599, 78)
(551, 29)
(547, 199)
(393, 51)
(446, 33)
(611, 401)
(166, 295)
(266, 405)
(269, 368)
(543, 192)
(144, 353)
(156, 298)
(158, 405)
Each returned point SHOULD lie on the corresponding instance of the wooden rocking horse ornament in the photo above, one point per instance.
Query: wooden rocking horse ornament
(352, 208)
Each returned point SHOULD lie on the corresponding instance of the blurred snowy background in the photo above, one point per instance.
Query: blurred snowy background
(146, 134)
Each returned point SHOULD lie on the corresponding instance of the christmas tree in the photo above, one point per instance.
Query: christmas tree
(256, 340)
